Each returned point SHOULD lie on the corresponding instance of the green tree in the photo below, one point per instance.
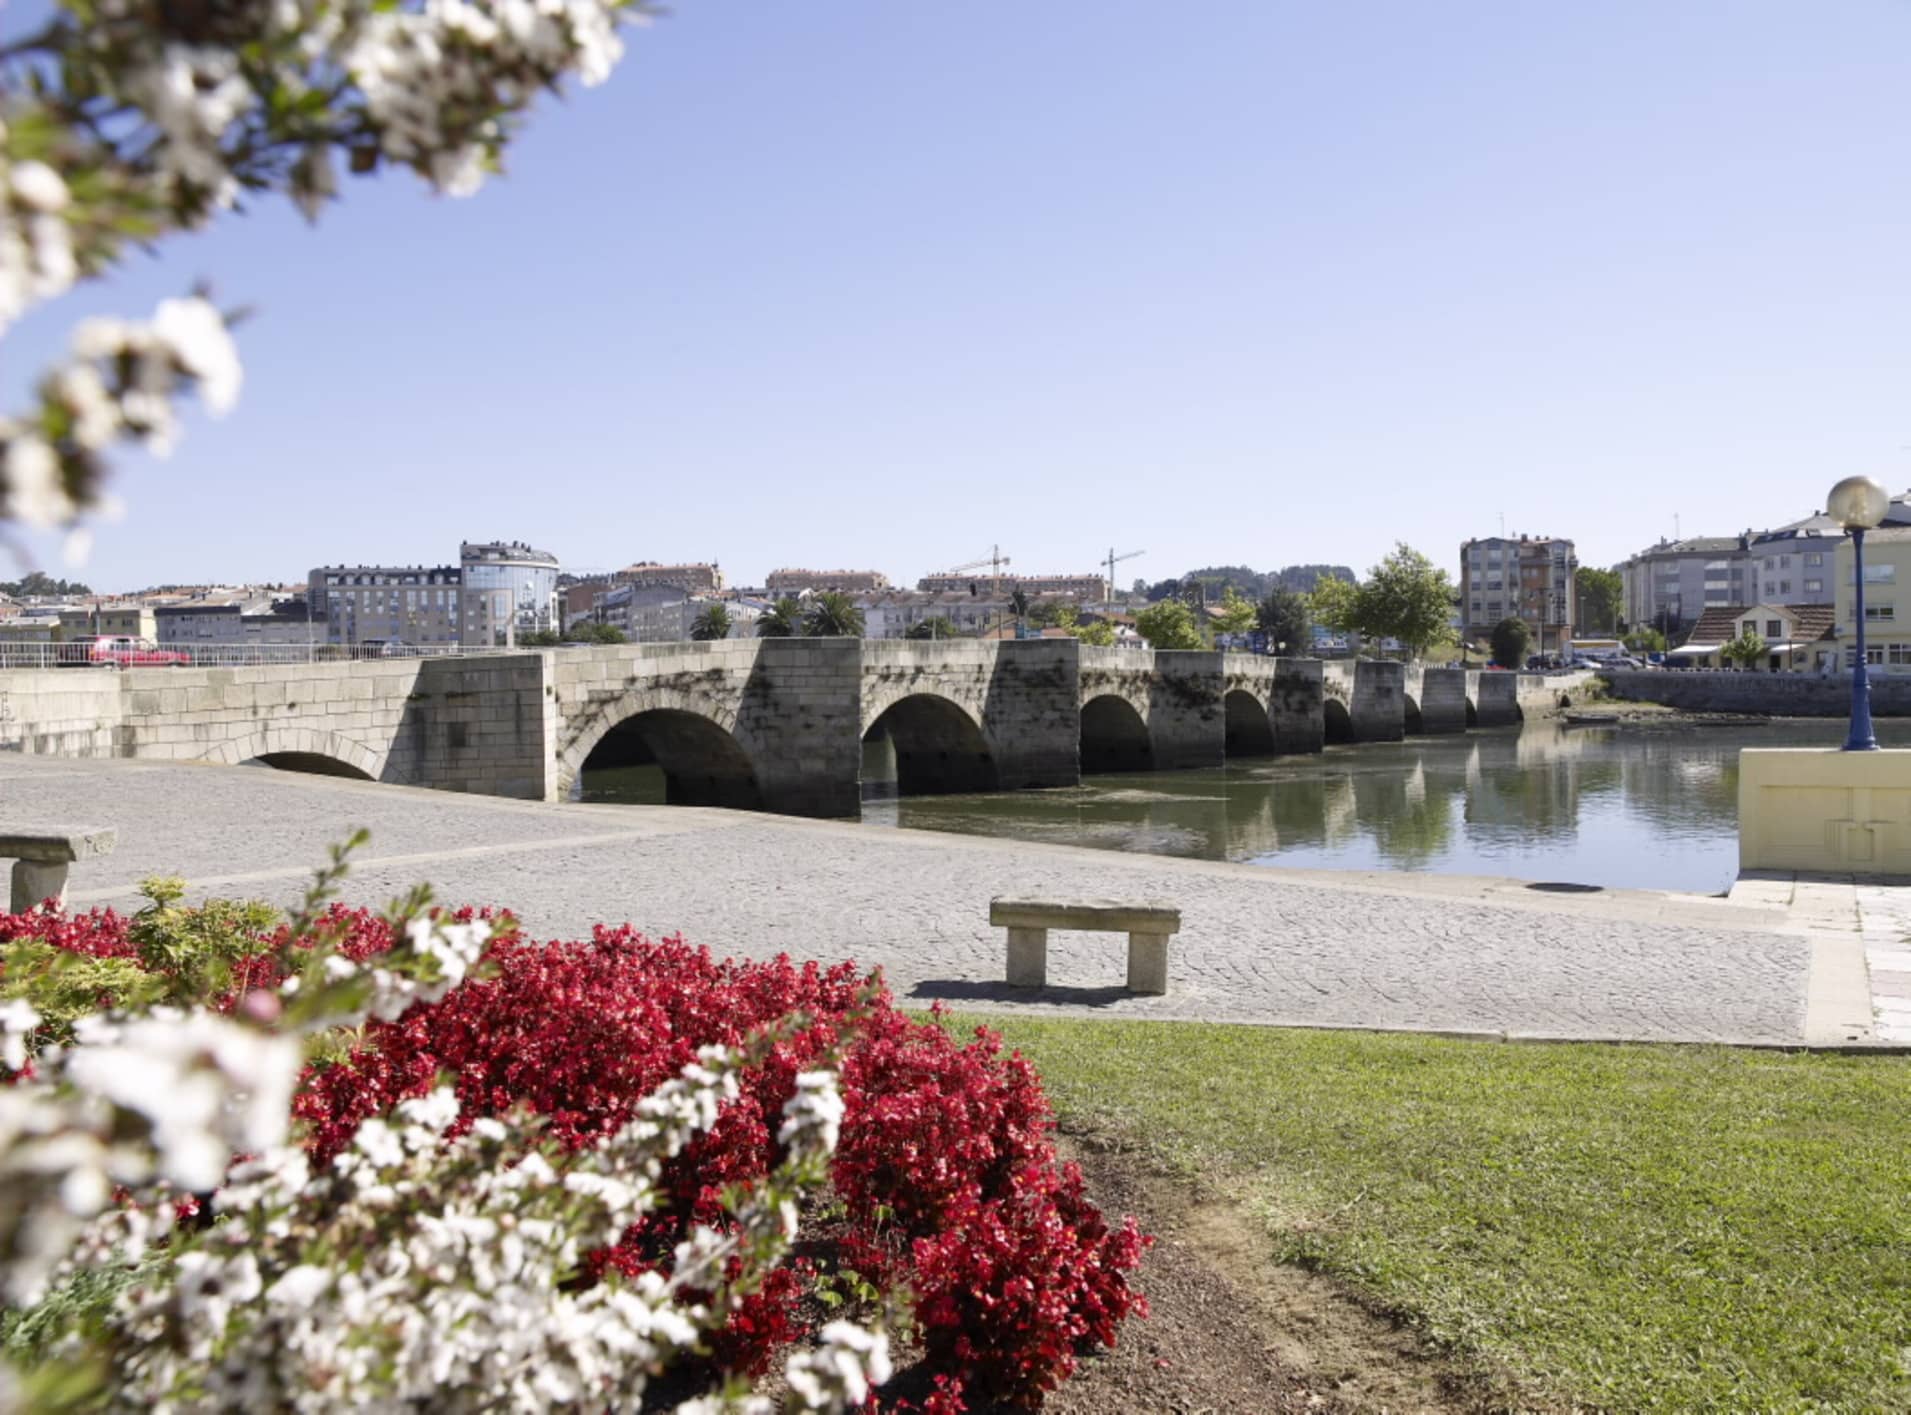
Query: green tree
(591, 632)
(1282, 616)
(1600, 594)
(1237, 614)
(38, 582)
(540, 639)
(713, 623)
(1018, 605)
(1646, 639)
(1406, 597)
(782, 620)
(1170, 624)
(1747, 650)
(1335, 604)
(1509, 641)
(935, 627)
(1100, 633)
(833, 615)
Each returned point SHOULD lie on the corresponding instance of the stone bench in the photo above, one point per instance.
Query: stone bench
(1148, 923)
(42, 858)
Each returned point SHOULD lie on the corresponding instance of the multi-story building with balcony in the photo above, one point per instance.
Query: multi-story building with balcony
(788, 582)
(417, 605)
(1520, 577)
(1669, 585)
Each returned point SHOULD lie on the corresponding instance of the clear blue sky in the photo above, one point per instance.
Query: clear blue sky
(869, 283)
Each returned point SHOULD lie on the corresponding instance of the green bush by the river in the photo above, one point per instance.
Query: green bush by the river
(1626, 1227)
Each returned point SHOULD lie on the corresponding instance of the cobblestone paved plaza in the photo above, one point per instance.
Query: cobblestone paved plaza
(1258, 945)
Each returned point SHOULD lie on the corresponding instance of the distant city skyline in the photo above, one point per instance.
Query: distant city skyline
(867, 285)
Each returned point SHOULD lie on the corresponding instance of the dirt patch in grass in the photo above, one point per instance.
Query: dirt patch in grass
(1232, 1330)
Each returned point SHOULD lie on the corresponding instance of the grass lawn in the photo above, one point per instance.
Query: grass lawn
(1628, 1227)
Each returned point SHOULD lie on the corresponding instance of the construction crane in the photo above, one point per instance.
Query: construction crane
(1111, 562)
(995, 560)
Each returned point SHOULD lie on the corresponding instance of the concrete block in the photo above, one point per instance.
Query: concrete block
(1825, 811)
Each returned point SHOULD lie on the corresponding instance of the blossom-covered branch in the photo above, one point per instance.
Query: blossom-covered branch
(123, 122)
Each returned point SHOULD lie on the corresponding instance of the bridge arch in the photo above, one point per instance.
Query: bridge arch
(1411, 712)
(1337, 721)
(1250, 731)
(1114, 736)
(941, 748)
(306, 749)
(693, 742)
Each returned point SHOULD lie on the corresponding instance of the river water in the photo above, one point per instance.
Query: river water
(1649, 807)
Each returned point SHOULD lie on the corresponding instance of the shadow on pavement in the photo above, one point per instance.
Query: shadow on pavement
(967, 990)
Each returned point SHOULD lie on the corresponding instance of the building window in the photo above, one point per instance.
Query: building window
(1897, 653)
(1784, 586)
(1816, 557)
(1814, 587)
(1774, 629)
(1874, 654)
(1879, 611)
(1881, 574)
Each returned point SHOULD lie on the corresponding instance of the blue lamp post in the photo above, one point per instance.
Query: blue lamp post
(1858, 504)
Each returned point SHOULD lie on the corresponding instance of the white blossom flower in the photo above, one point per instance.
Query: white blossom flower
(38, 186)
(17, 1021)
(34, 492)
(203, 346)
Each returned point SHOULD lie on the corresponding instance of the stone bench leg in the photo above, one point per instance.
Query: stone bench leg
(1028, 958)
(34, 882)
(1148, 963)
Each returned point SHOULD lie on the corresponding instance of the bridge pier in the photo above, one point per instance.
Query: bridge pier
(1379, 706)
(1032, 714)
(1296, 710)
(1187, 723)
(1443, 700)
(1495, 697)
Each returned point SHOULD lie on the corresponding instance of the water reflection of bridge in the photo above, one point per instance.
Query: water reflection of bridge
(1408, 806)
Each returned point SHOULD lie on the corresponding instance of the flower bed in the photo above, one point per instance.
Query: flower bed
(944, 1201)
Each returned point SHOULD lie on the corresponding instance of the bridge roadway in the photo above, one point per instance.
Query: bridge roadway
(1259, 945)
(772, 724)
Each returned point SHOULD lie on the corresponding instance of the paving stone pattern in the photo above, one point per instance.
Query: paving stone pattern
(1258, 945)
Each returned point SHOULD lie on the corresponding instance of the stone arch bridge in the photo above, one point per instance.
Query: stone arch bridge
(772, 724)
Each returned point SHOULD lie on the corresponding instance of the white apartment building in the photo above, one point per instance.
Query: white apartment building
(416, 605)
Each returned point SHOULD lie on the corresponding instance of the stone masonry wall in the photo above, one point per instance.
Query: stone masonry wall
(1186, 720)
(1296, 705)
(1442, 700)
(1023, 695)
(792, 705)
(1379, 704)
(1495, 697)
(63, 712)
(1768, 694)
